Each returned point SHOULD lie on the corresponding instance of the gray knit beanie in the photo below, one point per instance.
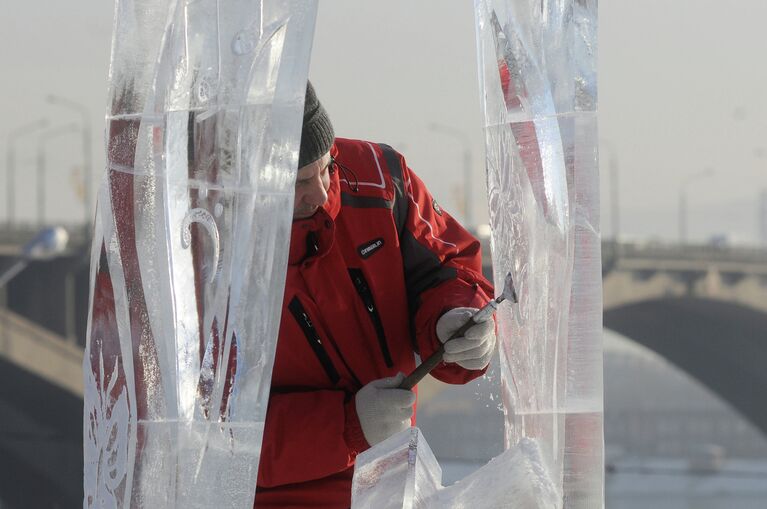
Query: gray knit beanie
(317, 133)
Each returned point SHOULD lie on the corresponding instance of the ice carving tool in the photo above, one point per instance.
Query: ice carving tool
(423, 369)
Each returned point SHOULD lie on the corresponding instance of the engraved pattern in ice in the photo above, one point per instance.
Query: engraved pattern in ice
(190, 248)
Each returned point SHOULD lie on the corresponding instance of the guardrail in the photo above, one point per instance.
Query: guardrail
(696, 252)
(41, 352)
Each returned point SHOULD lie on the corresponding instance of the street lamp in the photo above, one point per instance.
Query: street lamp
(48, 243)
(82, 110)
(683, 200)
(42, 140)
(762, 212)
(10, 191)
(467, 176)
(614, 193)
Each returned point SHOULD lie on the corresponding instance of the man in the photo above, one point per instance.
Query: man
(377, 271)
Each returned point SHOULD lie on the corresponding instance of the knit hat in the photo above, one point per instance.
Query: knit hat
(317, 132)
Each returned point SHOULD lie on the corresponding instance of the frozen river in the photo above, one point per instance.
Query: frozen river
(668, 484)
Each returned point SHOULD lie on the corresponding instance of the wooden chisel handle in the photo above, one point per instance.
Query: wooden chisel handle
(426, 366)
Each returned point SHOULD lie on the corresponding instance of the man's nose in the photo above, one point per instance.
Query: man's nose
(317, 196)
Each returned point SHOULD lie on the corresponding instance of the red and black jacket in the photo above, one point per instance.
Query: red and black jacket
(368, 276)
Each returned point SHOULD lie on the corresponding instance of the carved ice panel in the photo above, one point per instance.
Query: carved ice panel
(190, 248)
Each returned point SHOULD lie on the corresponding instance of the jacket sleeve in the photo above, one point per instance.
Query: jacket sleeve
(321, 425)
(442, 262)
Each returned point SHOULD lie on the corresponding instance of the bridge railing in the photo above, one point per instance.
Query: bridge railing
(692, 252)
(41, 352)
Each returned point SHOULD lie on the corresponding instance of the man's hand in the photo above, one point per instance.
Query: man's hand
(474, 349)
(384, 410)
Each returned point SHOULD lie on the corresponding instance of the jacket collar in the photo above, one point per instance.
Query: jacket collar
(319, 229)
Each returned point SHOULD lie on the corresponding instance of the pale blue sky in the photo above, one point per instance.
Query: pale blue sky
(681, 89)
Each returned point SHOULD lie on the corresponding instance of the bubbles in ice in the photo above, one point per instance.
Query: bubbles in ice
(123, 138)
(204, 218)
(218, 209)
(207, 88)
(244, 41)
(180, 69)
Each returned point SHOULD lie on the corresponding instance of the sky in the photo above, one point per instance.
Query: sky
(681, 91)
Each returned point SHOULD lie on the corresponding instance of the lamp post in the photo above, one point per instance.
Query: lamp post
(42, 140)
(614, 192)
(82, 110)
(467, 177)
(10, 191)
(762, 217)
(683, 200)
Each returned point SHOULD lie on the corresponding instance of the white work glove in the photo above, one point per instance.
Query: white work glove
(384, 410)
(474, 349)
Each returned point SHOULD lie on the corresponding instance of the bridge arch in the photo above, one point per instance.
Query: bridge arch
(722, 344)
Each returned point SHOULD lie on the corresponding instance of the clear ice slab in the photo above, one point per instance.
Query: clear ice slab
(537, 68)
(190, 248)
(402, 473)
(399, 473)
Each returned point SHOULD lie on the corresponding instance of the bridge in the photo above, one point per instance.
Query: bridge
(704, 308)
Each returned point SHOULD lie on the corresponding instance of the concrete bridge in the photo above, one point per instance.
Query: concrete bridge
(640, 272)
(704, 308)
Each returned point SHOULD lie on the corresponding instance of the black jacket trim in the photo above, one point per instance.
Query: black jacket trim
(401, 205)
(365, 202)
(313, 338)
(363, 289)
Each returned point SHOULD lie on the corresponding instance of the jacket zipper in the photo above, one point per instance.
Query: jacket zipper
(358, 278)
(313, 337)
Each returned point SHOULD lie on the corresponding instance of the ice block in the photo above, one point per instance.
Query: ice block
(399, 473)
(402, 473)
(537, 68)
(190, 248)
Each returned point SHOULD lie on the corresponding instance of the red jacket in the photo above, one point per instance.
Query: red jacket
(368, 276)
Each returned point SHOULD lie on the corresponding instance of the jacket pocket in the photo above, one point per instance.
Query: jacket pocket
(313, 337)
(363, 289)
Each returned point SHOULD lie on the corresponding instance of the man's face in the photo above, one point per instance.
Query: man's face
(312, 184)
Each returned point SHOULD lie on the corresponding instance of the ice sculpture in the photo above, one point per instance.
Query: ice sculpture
(190, 248)
(402, 473)
(537, 68)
